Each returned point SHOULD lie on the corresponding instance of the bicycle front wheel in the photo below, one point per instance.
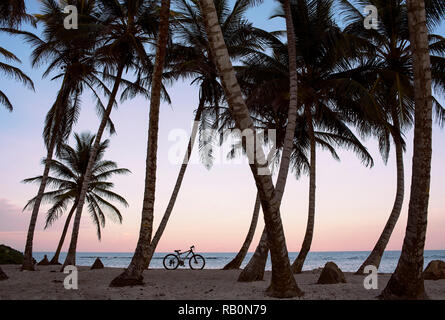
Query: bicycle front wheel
(197, 262)
(171, 262)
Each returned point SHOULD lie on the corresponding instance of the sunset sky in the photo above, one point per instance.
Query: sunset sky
(214, 207)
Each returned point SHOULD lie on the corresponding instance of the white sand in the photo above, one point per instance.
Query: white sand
(47, 283)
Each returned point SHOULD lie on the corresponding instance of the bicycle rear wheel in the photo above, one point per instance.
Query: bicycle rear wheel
(197, 262)
(170, 262)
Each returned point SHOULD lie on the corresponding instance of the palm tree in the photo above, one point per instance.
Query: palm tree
(12, 72)
(283, 283)
(133, 274)
(407, 281)
(390, 79)
(71, 51)
(69, 173)
(128, 27)
(12, 14)
(191, 58)
(322, 53)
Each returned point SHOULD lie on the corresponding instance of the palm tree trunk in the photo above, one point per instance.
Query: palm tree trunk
(258, 260)
(239, 258)
(55, 259)
(71, 256)
(133, 274)
(172, 201)
(293, 104)
(28, 261)
(283, 282)
(407, 281)
(297, 266)
(254, 270)
(375, 256)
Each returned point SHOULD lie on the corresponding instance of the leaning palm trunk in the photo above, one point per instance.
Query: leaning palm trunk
(258, 260)
(407, 281)
(254, 270)
(71, 256)
(173, 197)
(133, 274)
(283, 283)
(262, 251)
(239, 258)
(28, 263)
(55, 259)
(376, 254)
(297, 266)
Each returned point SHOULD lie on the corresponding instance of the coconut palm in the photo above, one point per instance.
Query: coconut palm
(129, 26)
(322, 52)
(407, 280)
(69, 54)
(190, 58)
(133, 274)
(12, 72)
(288, 138)
(390, 79)
(12, 13)
(290, 126)
(283, 283)
(66, 181)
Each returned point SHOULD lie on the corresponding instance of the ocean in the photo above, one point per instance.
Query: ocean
(348, 261)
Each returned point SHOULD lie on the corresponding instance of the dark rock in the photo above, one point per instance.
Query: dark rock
(44, 261)
(435, 270)
(10, 256)
(331, 274)
(3, 275)
(97, 264)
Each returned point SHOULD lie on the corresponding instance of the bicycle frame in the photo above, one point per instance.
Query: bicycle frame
(188, 252)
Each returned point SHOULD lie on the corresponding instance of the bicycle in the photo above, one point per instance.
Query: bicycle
(173, 261)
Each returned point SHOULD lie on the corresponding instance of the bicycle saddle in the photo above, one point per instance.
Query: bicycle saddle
(177, 251)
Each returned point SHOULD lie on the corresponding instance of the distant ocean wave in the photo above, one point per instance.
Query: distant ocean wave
(348, 261)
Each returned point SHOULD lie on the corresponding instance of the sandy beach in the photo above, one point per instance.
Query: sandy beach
(47, 283)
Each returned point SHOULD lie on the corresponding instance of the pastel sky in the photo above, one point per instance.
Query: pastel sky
(214, 207)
